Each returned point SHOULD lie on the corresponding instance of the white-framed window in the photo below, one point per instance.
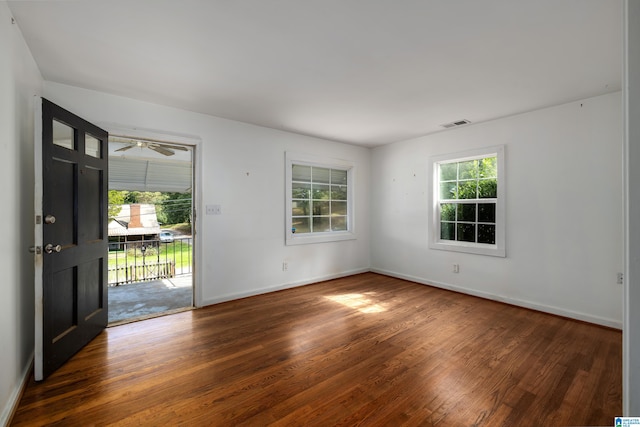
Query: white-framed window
(319, 199)
(467, 201)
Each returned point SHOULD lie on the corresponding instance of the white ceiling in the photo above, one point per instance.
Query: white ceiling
(366, 72)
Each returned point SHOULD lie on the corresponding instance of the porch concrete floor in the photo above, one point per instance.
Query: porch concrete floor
(143, 299)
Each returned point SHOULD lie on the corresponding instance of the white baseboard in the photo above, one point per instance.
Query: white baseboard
(231, 297)
(611, 323)
(12, 403)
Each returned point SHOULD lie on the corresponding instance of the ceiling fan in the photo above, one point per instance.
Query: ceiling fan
(159, 147)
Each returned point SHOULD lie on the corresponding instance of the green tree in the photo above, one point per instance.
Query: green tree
(175, 208)
(116, 200)
(471, 179)
(147, 197)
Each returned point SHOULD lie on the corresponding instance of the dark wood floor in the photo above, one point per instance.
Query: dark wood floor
(364, 350)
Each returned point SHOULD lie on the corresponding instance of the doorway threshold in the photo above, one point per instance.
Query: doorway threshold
(149, 316)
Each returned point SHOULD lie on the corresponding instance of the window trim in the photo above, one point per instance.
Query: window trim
(498, 249)
(323, 162)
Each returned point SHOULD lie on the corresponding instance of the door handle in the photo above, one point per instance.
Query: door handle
(49, 219)
(50, 248)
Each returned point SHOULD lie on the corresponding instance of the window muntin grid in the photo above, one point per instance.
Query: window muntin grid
(467, 199)
(319, 199)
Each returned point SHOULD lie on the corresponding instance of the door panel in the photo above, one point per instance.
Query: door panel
(91, 290)
(63, 306)
(73, 220)
(61, 201)
(90, 204)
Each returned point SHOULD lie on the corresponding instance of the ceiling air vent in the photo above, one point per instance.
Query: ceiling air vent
(456, 123)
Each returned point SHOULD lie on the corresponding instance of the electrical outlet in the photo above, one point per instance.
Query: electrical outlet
(456, 268)
(620, 279)
(285, 266)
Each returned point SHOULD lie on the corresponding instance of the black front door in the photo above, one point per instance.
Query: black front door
(73, 224)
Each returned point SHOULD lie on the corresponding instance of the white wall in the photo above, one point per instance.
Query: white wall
(241, 168)
(631, 331)
(20, 80)
(564, 211)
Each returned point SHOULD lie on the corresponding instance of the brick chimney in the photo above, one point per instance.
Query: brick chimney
(134, 216)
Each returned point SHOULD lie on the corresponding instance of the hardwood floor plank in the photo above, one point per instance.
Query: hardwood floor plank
(363, 350)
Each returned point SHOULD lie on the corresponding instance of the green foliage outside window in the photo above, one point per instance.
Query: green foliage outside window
(471, 179)
(465, 183)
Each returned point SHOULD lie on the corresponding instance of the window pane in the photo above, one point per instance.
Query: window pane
(488, 188)
(321, 208)
(486, 212)
(467, 212)
(468, 170)
(488, 167)
(447, 212)
(300, 190)
(321, 175)
(465, 202)
(321, 224)
(448, 190)
(92, 146)
(447, 231)
(319, 199)
(300, 225)
(338, 223)
(338, 192)
(299, 208)
(301, 173)
(338, 208)
(63, 135)
(466, 233)
(321, 192)
(338, 177)
(467, 190)
(487, 234)
(448, 171)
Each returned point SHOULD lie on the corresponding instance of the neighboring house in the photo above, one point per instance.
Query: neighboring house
(134, 223)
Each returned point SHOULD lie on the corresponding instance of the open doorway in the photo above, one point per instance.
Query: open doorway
(150, 228)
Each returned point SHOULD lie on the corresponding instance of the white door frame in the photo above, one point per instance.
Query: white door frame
(38, 241)
(194, 142)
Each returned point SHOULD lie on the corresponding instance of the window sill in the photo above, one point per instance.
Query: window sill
(308, 238)
(470, 248)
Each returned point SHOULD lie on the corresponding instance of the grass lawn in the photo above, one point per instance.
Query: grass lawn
(179, 251)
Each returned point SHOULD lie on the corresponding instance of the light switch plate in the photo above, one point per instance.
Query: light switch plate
(214, 210)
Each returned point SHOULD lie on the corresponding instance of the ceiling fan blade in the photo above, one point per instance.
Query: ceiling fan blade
(172, 147)
(125, 148)
(161, 150)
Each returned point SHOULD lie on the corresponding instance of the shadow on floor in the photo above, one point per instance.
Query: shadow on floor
(144, 299)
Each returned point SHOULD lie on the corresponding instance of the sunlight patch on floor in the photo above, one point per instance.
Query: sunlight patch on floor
(360, 302)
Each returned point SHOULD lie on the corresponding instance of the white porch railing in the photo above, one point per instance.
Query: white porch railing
(141, 272)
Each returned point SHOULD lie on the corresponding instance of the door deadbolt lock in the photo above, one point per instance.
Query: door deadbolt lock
(49, 219)
(49, 248)
(35, 250)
